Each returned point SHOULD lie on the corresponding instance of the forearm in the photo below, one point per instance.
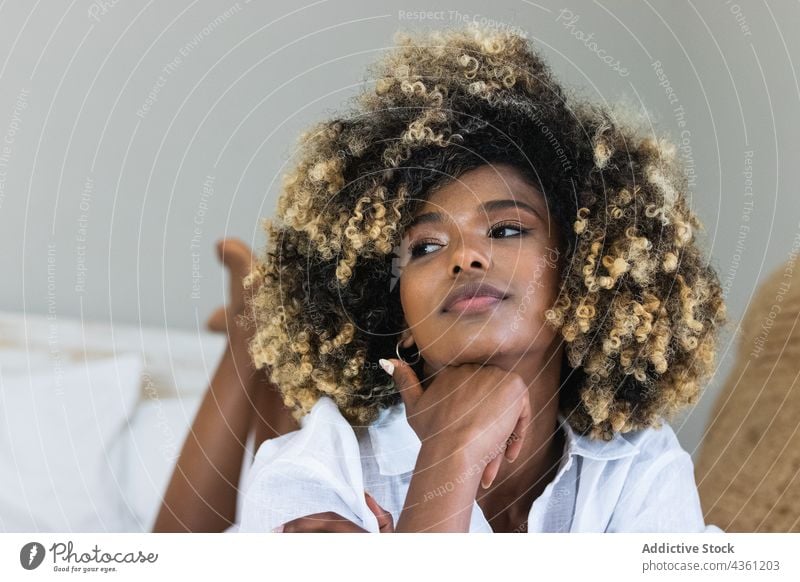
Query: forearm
(201, 495)
(442, 492)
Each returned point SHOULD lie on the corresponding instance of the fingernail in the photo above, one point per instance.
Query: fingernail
(278, 529)
(387, 366)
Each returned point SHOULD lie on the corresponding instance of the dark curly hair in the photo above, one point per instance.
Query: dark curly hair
(639, 308)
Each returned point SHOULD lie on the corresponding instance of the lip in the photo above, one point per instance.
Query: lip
(473, 297)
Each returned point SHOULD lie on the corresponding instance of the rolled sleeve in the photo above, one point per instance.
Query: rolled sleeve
(316, 469)
(283, 490)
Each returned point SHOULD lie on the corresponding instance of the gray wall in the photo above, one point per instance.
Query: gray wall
(135, 135)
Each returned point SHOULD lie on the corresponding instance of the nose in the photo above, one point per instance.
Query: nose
(470, 253)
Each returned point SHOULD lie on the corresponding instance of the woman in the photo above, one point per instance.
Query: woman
(533, 256)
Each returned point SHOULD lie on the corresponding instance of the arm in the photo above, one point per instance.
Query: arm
(442, 491)
(330, 522)
(201, 496)
(438, 469)
(423, 510)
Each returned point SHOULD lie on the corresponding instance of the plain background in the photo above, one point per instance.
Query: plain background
(109, 212)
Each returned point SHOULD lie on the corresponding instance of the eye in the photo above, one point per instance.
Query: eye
(422, 248)
(502, 230)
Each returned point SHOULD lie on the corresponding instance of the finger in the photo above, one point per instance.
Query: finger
(306, 525)
(406, 380)
(490, 472)
(327, 522)
(520, 430)
(385, 519)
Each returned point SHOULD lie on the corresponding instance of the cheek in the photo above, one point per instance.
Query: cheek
(537, 289)
(413, 293)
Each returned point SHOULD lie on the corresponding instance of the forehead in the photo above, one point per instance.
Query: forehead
(485, 183)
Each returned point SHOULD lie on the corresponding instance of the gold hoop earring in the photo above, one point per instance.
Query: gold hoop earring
(399, 357)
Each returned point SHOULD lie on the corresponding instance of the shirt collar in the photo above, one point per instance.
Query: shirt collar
(396, 445)
(583, 446)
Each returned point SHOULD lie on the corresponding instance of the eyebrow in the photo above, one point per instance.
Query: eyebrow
(489, 206)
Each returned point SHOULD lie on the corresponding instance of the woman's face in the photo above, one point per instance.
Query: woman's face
(479, 267)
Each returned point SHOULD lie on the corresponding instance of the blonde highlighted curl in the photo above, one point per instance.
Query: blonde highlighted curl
(639, 307)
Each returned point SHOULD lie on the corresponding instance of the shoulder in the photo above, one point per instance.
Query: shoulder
(631, 460)
(659, 492)
(325, 446)
(323, 431)
(655, 444)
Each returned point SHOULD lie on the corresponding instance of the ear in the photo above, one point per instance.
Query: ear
(407, 339)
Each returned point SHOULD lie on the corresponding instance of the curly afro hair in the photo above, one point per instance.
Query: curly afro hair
(639, 308)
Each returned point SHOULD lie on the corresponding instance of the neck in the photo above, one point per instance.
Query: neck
(507, 502)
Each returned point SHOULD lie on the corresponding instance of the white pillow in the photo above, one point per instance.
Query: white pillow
(56, 428)
(148, 451)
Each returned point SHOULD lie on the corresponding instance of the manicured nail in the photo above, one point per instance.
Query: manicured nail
(387, 366)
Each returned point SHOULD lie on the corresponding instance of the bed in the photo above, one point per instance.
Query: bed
(92, 418)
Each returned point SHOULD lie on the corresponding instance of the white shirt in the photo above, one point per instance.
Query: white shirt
(640, 481)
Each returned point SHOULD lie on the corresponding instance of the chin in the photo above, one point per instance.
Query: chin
(479, 348)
